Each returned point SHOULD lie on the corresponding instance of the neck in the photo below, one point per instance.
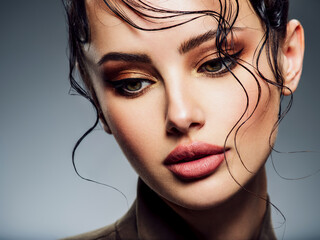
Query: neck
(238, 218)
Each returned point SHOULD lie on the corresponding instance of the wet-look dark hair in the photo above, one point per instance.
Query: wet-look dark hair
(273, 15)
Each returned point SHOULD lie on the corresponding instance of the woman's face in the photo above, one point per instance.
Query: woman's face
(165, 92)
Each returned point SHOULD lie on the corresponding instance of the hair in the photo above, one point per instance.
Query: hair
(273, 15)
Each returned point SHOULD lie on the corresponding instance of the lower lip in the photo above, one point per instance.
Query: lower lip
(198, 168)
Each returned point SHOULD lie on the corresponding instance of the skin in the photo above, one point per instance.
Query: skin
(181, 105)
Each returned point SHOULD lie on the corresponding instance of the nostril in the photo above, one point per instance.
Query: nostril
(194, 125)
(174, 131)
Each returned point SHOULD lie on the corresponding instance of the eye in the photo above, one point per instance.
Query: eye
(135, 85)
(131, 86)
(220, 65)
(216, 66)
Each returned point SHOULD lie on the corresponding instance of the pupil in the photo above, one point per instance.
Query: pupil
(134, 86)
(213, 66)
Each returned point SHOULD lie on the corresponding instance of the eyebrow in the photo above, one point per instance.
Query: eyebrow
(126, 57)
(196, 41)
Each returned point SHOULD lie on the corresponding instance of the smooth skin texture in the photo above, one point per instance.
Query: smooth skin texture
(180, 102)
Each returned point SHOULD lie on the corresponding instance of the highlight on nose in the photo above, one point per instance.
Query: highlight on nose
(182, 119)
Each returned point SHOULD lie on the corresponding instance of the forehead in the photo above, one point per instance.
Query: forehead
(110, 32)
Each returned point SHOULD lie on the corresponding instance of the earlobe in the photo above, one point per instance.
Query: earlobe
(293, 51)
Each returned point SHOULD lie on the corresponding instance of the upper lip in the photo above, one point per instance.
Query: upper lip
(193, 151)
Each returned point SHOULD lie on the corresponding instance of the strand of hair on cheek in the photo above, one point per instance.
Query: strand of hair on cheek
(77, 145)
(236, 133)
(237, 182)
(247, 106)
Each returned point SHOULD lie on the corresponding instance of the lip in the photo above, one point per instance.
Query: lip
(195, 160)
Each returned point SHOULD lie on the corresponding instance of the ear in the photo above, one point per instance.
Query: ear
(293, 51)
(104, 123)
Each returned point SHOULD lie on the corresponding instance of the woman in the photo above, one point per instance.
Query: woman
(191, 91)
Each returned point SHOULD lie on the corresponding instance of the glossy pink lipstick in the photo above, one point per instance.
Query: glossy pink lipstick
(195, 160)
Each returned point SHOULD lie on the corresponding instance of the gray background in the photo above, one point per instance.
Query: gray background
(40, 195)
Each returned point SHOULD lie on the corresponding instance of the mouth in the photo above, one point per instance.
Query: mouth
(196, 160)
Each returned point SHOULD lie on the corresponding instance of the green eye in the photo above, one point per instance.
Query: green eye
(213, 66)
(133, 86)
(219, 65)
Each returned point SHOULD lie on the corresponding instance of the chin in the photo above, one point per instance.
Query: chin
(204, 194)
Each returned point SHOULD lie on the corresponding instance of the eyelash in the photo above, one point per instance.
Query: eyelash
(121, 86)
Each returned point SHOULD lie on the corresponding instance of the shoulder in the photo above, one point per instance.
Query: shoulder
(105, 233)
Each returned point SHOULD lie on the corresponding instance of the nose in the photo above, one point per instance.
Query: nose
(184, 111)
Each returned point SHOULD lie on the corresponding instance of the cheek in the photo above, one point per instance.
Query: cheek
(263, 108)
(136, 125)
(252, 135)
(233, 104)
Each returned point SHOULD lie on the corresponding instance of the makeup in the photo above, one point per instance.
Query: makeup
(195, 160)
